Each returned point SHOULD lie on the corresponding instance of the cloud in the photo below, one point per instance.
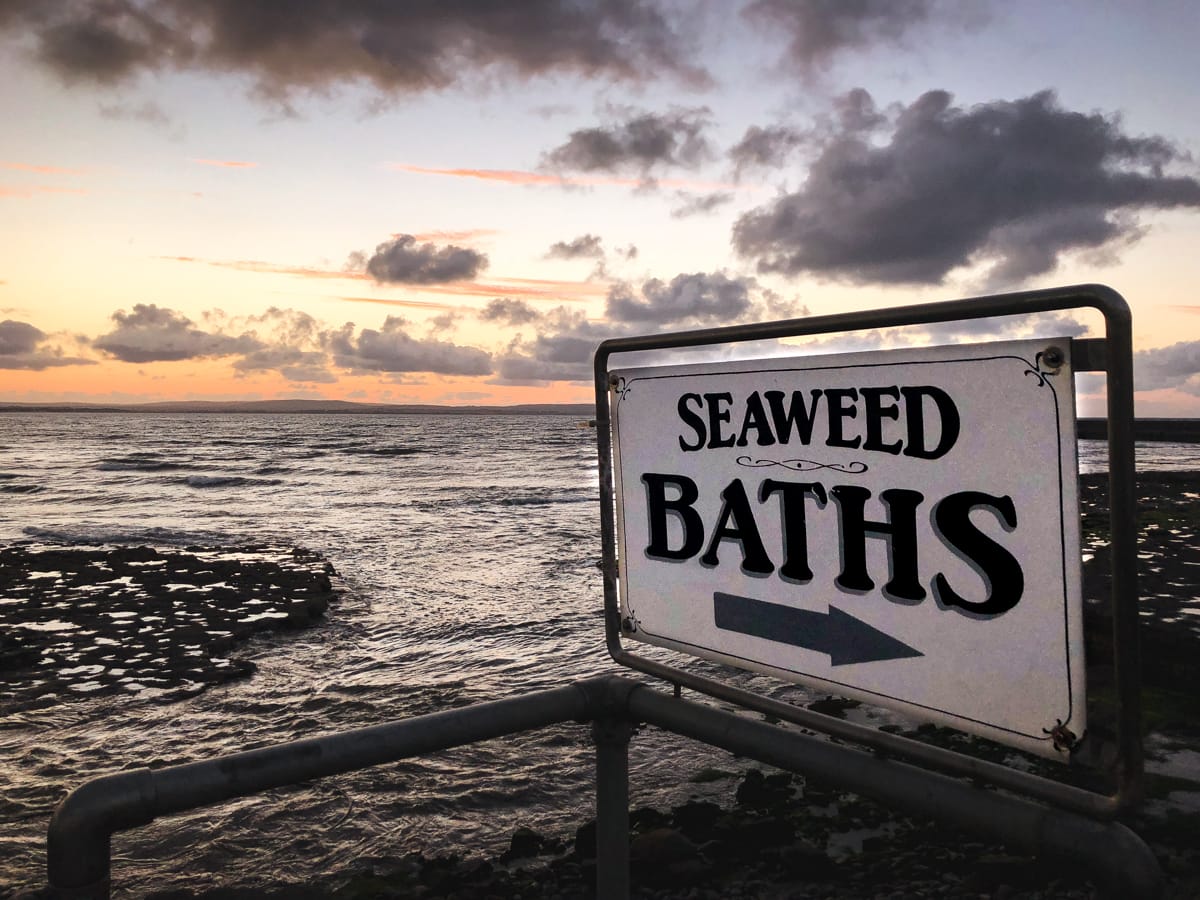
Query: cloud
(697, 297)
(764, 147)
(151, 334)
(585, 246)
(563, 352)
(408, 304)
(1176, 366)
(819, 30)
(507, 176)
(42, 169)
(294, 364)
(1011, 185)
(392, 349)
(287, 341)
(148, 112)
(640, 143)
(1003, 328)
(768, 148)
(318, 45)
(558, 179)
(508, 311)
(403, 261)
(566, 339)
(698, 204)
(23, 346)
(225, 163)
(18, 337)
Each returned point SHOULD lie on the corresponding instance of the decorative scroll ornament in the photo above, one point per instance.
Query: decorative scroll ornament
(618, 385)
(803, 465)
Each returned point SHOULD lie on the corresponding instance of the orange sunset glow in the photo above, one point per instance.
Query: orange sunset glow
(236, 226)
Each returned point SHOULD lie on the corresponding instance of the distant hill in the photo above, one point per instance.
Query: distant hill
(1183, 430)
(1187, 430)
(323, 407)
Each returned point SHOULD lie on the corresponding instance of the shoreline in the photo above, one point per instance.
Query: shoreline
(776, 835)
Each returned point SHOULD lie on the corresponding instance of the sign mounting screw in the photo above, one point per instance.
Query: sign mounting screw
(1053, 357)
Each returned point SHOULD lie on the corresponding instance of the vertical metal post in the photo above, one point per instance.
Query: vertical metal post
(1122, 513)
(612, 807)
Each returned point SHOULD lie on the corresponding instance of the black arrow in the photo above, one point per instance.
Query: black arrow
(845, 638)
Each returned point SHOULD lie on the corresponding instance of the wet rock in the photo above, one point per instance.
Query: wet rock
(585, 840)
(664, 856)
(833, 706)
(696, 820)
(524, 844)
(645, 818)
(759, 791)
(82, 623)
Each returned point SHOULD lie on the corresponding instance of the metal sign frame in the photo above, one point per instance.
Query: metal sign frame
(1111, 354)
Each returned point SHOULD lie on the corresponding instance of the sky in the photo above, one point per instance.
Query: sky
(454, 202)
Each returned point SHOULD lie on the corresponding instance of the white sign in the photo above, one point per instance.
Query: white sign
(901, 527)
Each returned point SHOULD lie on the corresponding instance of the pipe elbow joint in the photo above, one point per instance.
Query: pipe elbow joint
(77, 841)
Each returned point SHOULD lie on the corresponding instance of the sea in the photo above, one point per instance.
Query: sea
(467, 550)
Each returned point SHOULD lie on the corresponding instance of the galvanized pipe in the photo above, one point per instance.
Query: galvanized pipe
(612, 806)
(79, 836)
(77, 847)
(1122, 512)
(1118, 856)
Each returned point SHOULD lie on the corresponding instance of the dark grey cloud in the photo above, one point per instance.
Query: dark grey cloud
(293, 363)
(566, 339)
(561, 352)
(19, 337)
(1176, 366)
(152, 333)
(584, 246)
(855, 112)
(402, 260)
(392, 349)
(508, 311)
(24, 346)
(104, 42)
(316, 45)
(819, 30)
(639, 143)
(765, 147)
(769, 148)
(1010, 184)
(688, 204)
(697, 297)
(1022, 327)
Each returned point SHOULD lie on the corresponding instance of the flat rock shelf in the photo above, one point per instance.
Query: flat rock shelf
(82, 623)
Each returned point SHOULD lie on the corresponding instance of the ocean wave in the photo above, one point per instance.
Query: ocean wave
(207, 481)
(91, 535)
(541, 500)
(8, 488)
(137, 463)
(382, 451)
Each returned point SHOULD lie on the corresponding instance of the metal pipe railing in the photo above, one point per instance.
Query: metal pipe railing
(78, 840)
(79, 837)
(1109, 849)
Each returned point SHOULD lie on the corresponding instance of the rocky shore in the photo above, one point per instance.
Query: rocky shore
(77, 623)
(71, 629)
